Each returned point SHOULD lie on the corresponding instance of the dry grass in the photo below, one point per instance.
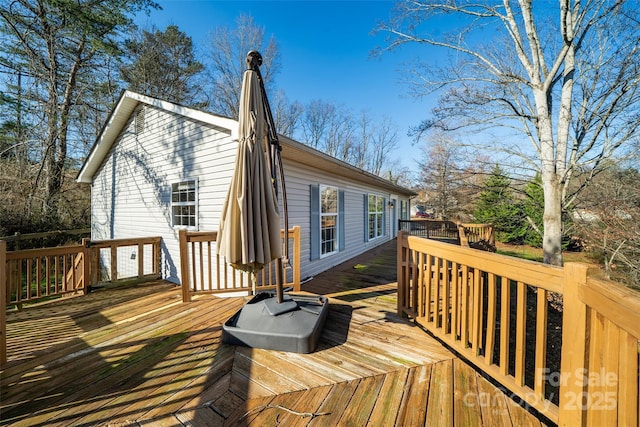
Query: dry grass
(535, 254)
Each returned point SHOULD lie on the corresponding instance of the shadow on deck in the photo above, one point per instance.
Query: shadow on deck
(139, 356)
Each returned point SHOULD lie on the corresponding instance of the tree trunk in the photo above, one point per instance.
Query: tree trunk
(551, 186)
(552, 221)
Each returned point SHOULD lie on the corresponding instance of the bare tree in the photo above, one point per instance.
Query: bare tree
(398, 174)
(228, 48)
(286, 114)
(362, 142)
(57, 45)
(607, 218)
(315, 122)
(360, 152)
(339, 140)
(440, 176)
(566, 78)
(385, 140)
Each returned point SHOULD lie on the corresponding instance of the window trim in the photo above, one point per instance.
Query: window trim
(336, 214)
(195, 203)
(377, 213)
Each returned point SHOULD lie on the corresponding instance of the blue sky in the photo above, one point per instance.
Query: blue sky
(325, 53)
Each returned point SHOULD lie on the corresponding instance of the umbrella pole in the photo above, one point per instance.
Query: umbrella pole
(279, 293)
(254, 280)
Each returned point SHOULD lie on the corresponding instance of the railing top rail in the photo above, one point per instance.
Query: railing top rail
(530, 272)
(31, 253)
(123, 242)
(201, 236)
(20, 236)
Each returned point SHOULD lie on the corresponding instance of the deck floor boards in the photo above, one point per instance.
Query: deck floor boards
(136, 355)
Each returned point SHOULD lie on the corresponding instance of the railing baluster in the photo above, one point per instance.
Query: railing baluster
(194, 277)
(201, 258)
(465, 306)
(427, 279)
(491, 318)
(521, 336)
(455, 303)
(38, 267)
(437, 281)
(420, 297)
(218, 273)
(446, 303)
(505, 324)
(476, 313)
(47, 275)
(541, 343)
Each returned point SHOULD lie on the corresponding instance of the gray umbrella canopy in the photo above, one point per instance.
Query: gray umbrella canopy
(249, 232)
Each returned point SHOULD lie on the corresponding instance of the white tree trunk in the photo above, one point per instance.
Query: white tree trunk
(551, 184)
(552, 220)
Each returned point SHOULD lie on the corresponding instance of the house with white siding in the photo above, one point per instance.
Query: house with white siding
(158, 167)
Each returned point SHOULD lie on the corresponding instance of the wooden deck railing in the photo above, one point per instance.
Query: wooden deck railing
(462, 233)
(474, 233)
(33, 275)
(15, 241)
(204, 271)
(3, 302)
(494, 310)
(601, 328)
(431, 229)
(124, 259)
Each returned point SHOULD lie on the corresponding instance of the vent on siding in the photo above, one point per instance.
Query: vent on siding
(139, 121)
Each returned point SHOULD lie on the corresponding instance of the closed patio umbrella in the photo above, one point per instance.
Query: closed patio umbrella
(249, 232)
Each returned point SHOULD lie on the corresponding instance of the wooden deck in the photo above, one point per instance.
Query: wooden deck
(139, 356)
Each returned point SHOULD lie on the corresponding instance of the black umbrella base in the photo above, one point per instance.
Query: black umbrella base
(293, 325)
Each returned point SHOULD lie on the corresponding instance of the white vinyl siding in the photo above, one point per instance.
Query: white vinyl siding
(131, 192)
(301, 180)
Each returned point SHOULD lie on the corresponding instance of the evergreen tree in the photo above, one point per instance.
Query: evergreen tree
(533, 209)
(497, 205)
(162, 64)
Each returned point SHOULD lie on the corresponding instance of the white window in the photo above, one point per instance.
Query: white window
(375, 216)
(184, 204)
(328, 220)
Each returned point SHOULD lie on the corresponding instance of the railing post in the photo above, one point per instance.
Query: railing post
(572, 359)
(462, 235)
(3, 302)
(157, 257)
(86, 265)
(141, 258)
(491, 234)
(113, 250)
(184, 266)
(400, 273)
